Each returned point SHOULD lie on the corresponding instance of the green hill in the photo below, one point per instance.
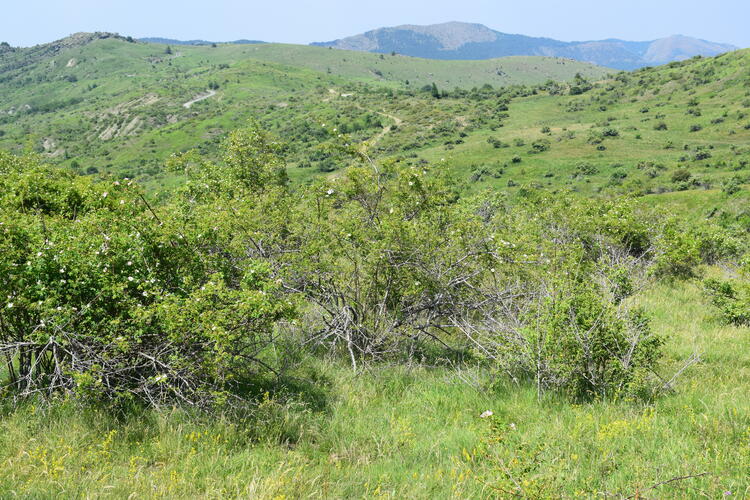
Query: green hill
(100, 102)
(399, 69)
(683, 126)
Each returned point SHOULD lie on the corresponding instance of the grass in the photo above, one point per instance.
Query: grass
(416, 432)
(397, 70)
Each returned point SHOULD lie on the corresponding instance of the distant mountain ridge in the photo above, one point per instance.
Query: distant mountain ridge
(170, 41)
(456, 40)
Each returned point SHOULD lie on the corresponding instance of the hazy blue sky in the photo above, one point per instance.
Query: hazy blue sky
(28, 22)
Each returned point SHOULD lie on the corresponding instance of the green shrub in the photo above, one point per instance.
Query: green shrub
(113, 300)
(732, 298)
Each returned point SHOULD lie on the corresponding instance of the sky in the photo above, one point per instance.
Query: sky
(29, 22)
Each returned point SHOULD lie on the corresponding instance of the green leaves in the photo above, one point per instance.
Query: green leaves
(103, 291)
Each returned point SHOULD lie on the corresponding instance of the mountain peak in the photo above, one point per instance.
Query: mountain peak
(460, 40)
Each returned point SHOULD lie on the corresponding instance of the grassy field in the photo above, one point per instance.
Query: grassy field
(403, 71)
(416, 432)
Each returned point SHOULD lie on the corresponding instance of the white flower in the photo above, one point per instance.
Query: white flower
(10, 305)
(330, 192)
(104, 194)
(122, 202)
(130, 278)
(130, 263)
(486, 414)
(513, 426)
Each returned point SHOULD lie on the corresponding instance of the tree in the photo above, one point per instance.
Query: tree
(168, 50)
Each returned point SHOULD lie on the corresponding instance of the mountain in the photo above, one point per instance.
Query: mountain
(170, 41)
(455, 40)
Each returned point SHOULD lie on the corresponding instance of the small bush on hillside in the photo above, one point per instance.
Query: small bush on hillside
(731, 298)
(539, 146)
(732, 186)
(586, 169)
(681, 175)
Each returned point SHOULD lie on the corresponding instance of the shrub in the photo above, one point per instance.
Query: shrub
(112, 300)
(586, 169)
(539, 146)
(571, 329)
(681, 175)
(732, 186)
(732, 298)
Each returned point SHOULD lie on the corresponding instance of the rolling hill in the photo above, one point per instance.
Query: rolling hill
(456, 40)
(105, 102)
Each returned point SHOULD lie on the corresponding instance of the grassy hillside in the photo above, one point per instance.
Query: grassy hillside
(397, 69)
(110, 105)
(107, 104)
(680, 127)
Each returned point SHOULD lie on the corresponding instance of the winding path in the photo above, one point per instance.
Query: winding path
(200, 98)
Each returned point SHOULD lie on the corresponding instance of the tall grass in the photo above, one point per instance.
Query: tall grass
(415, 432)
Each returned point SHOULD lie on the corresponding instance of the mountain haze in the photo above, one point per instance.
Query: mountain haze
(456, 40)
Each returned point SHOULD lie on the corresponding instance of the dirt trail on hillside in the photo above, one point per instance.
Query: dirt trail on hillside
(386, 130)
(201, 97)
